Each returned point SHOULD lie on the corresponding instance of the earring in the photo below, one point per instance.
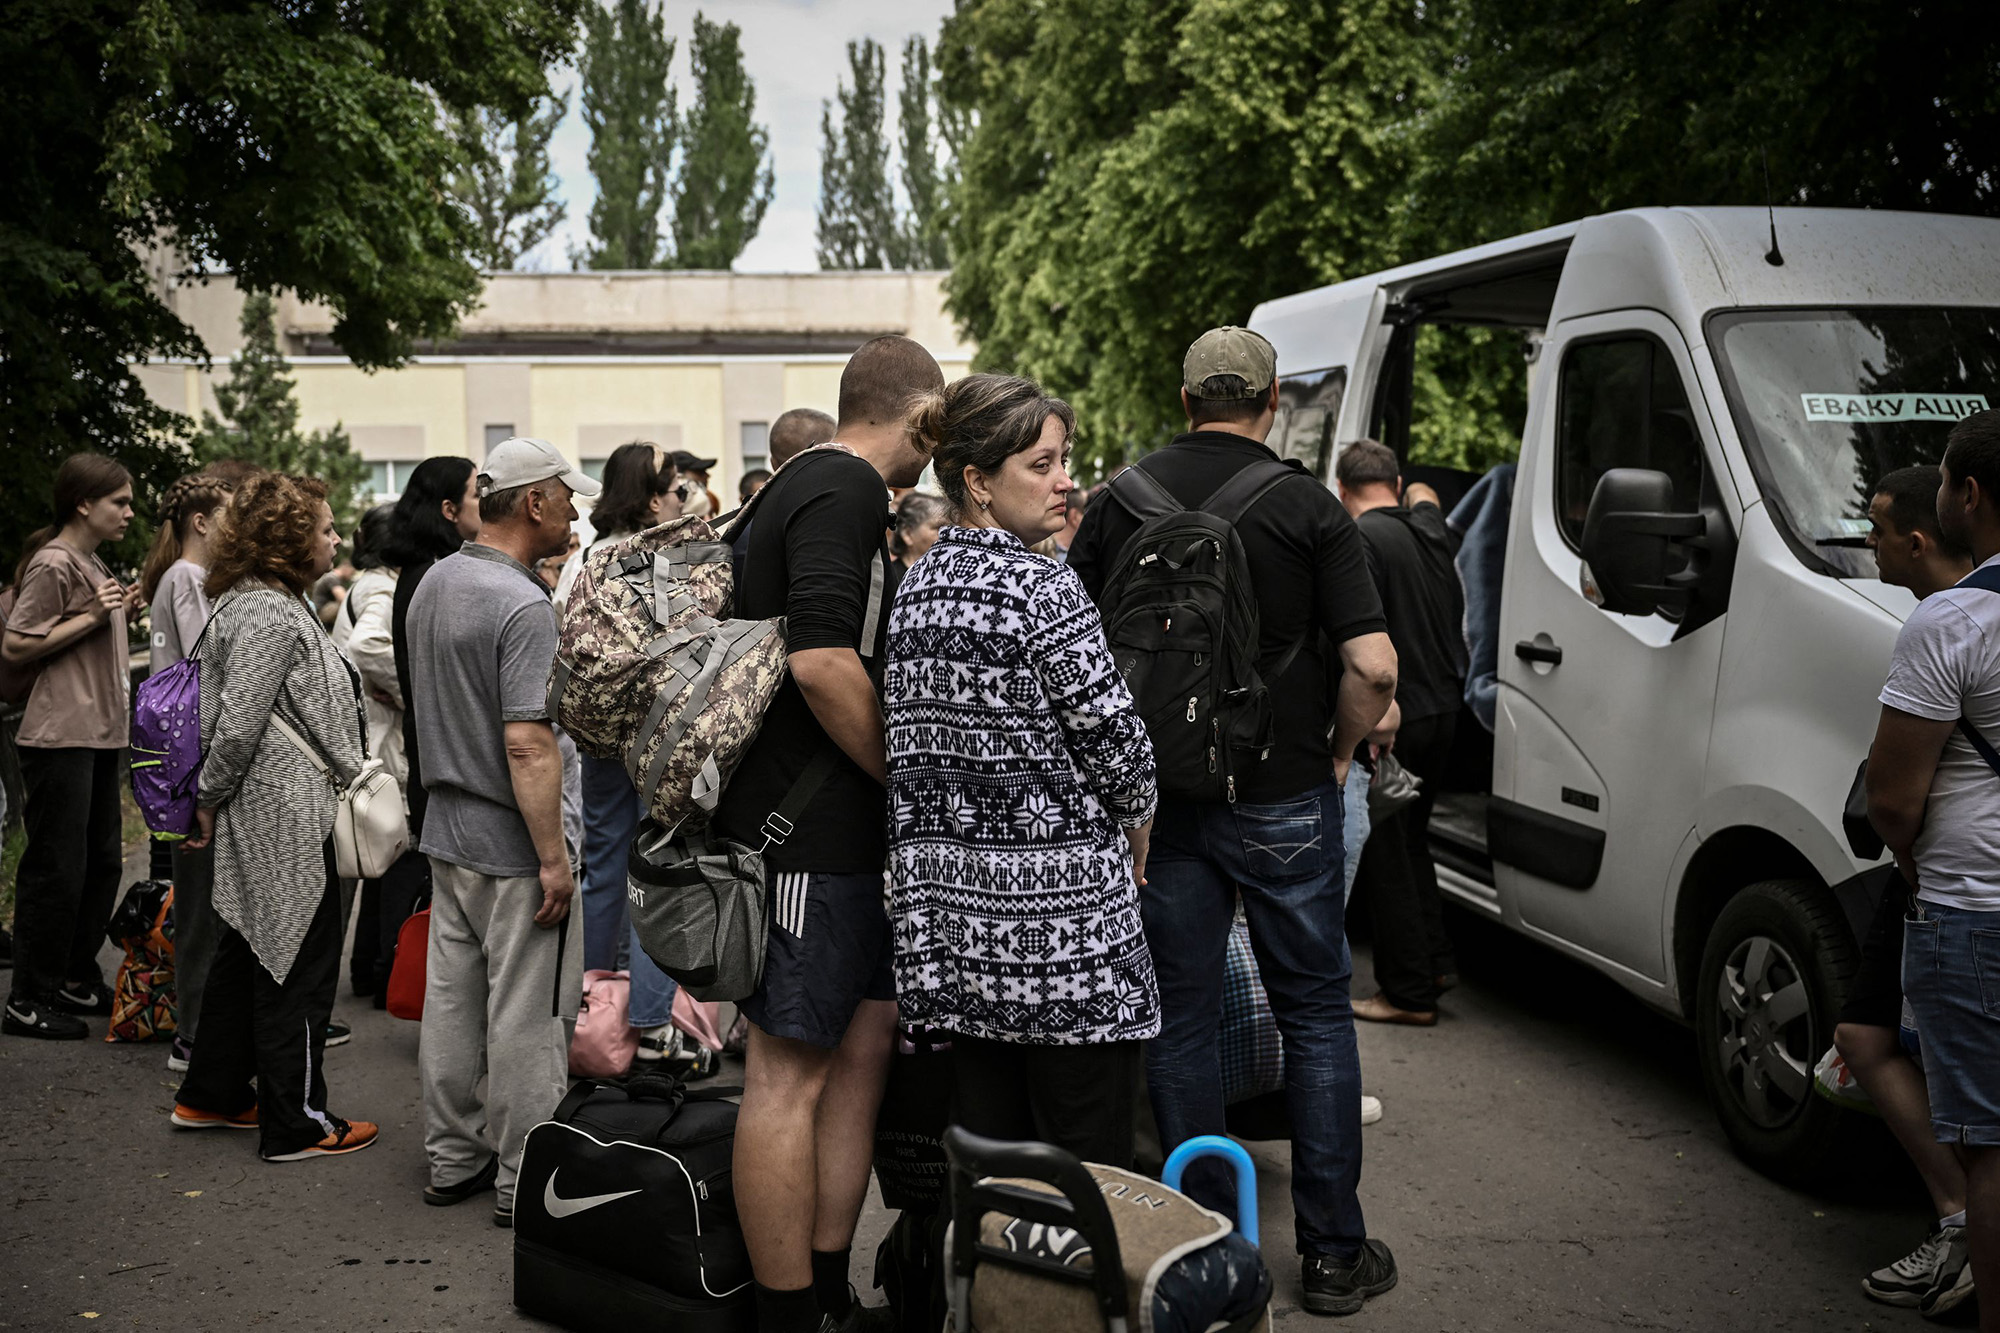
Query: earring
(984, 506)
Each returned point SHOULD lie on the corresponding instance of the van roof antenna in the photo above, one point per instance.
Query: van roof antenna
(1773, 257)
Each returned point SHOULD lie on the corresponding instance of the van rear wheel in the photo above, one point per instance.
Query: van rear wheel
(1773, 974)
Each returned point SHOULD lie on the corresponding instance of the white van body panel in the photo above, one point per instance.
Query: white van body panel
(1757, 719)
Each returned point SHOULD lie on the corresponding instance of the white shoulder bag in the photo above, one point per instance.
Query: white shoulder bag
(370, 829)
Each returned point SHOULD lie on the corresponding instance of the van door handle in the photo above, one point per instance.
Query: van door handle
(1530, 651)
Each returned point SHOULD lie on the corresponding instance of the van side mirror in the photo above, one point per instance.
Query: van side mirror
(1628, 540)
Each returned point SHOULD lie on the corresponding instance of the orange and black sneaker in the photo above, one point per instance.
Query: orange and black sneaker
(347, 1136)
(187, 1117)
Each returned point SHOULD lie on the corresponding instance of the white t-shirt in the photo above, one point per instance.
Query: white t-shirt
(1947, 666)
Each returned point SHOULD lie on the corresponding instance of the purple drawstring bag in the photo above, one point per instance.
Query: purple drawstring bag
(166, 748)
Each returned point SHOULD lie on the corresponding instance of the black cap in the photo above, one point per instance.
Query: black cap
(687, 462)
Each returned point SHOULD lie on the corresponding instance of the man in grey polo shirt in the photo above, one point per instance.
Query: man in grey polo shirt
(482, 635)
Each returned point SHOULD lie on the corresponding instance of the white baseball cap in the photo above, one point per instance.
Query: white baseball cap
(522, 461)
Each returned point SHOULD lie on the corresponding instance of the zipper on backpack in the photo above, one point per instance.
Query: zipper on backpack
(1193, 699)
(1232, 789)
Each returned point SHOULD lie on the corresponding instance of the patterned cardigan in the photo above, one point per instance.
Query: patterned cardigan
(1016, 760)
(265, 650)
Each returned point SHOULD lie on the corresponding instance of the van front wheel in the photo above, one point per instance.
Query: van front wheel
(1778, 962)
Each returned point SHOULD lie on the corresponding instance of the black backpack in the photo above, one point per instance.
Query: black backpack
(1181, 617)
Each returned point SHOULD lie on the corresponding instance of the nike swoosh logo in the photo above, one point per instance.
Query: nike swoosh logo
(558, 1206)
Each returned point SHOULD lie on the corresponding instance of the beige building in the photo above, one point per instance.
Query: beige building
(700, 361)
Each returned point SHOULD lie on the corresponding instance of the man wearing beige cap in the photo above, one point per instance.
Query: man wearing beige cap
(1275, 841)
(482, 636)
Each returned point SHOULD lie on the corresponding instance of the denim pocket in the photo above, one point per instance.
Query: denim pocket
(1920, 942)
(1282, 843)
(1986, 964)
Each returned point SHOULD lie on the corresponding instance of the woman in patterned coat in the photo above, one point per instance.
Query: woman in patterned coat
(269, 813)
(1021, 792)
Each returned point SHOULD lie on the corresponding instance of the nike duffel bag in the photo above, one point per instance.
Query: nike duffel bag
(623, 1213)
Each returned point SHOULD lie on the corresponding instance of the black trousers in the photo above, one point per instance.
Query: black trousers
(68, 881)
(1397, 879)
(254, 1026)
(1080, 1098)
(386, 903)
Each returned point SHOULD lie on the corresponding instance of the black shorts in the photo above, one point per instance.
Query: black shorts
(1876, 998)
(830, 948)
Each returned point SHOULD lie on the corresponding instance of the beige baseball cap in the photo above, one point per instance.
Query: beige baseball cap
(1230, 351)
(522, 461)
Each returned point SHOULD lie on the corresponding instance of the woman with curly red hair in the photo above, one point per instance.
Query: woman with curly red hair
(268, 812)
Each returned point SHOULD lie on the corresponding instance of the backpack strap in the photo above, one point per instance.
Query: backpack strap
(1237, 496)
(1142, 495)
(1986, 578)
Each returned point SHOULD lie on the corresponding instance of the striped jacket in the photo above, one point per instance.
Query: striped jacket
(1016, 761)
(265, 650)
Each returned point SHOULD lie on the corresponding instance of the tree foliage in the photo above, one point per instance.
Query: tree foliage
(299, 146)
(858, 227)
(504, 179)
(260, 420)
(922, 234)
(725, 180)
(1137, 171)
(631, 112)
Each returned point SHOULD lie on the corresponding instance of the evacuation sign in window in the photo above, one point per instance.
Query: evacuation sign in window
(1891, 406)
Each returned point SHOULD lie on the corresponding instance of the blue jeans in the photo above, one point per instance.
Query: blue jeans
(610, 818)
(1951, 976)
(1285, 859)
(1355, 826)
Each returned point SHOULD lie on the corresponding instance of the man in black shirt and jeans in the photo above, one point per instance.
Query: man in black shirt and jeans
(1410, 556)
(1278, 845)
(823, 1017)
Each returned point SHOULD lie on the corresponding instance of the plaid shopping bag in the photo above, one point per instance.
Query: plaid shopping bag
(1253, 1062)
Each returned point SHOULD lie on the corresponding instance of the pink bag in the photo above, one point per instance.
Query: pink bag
(605, 1040)
(699, 1019)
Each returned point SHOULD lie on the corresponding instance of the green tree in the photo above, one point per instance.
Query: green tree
(857, 205)
(298, 146)
(260, 420)
(1558, 109)
(725, 180)
(630, 109)
(1138, 171)
(504, 179)
(924, 183)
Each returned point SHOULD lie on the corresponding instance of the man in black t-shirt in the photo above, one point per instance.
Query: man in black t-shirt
(823, 1017)
(1277, 848)
(1410, 557)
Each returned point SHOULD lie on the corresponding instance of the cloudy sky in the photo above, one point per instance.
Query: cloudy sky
(796, 52)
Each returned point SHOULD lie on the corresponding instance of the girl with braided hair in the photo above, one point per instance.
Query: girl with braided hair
(171, 579)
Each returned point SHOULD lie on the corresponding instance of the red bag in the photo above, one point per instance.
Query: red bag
(605, 1041)
(407, 974)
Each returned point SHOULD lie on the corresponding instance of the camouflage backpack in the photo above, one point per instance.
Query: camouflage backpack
(651, 669)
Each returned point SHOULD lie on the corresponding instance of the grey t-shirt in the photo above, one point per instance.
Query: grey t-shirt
(482, 636)
(180, 611)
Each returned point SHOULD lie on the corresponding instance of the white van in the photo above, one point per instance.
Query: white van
(1689, 648)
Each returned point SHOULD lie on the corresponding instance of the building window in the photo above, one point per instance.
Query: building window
(498, 431)
(593, 468)
(389, 478)
(756, 443)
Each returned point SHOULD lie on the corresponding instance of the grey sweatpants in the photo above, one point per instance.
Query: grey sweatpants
(490, 1010)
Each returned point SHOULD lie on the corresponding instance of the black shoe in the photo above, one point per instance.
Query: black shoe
(1333, 1287)
(504, 1217)
(477, 1183)
(338, 1033)
(84, 997)
(39, 1018)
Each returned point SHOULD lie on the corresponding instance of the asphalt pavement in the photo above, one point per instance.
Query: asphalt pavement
(1546, 1161)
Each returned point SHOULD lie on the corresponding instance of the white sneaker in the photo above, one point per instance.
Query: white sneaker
(660, 1043)
(1371, 1109)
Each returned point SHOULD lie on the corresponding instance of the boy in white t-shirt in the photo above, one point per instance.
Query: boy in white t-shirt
(1934, 796)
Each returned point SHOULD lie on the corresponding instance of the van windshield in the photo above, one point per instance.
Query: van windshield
(1827, 401)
